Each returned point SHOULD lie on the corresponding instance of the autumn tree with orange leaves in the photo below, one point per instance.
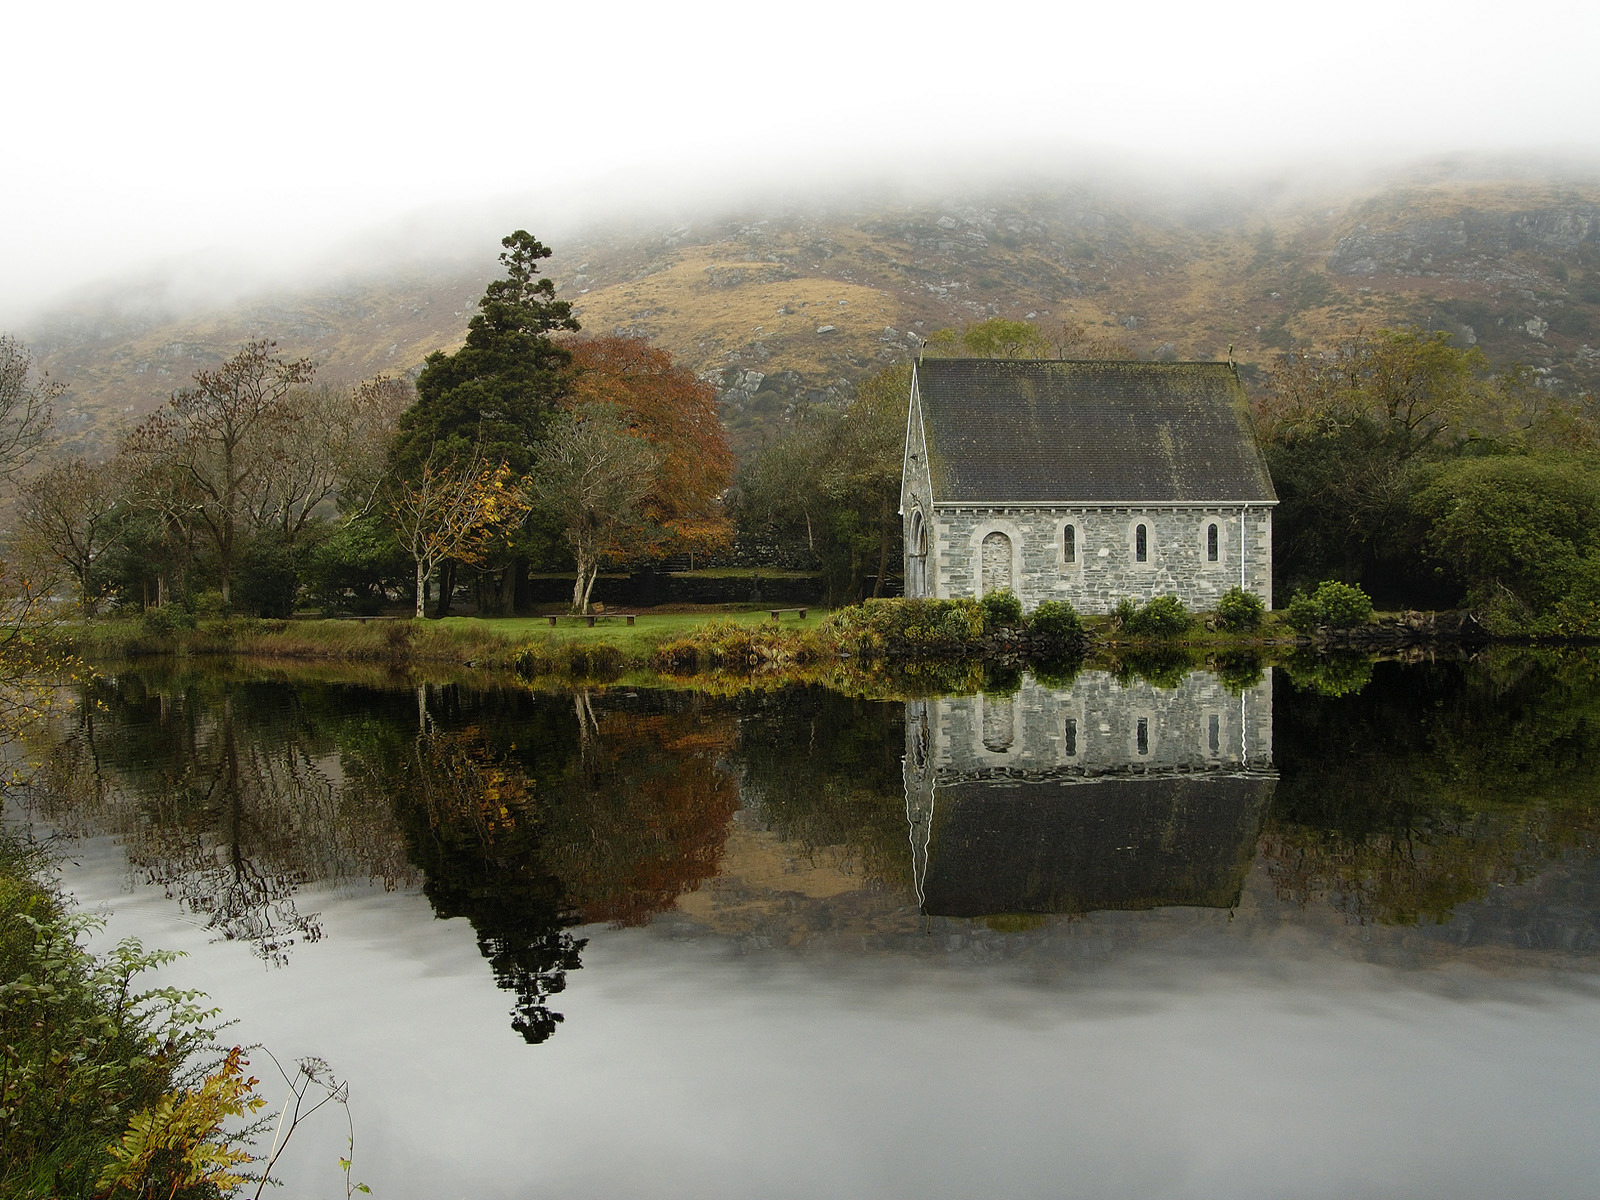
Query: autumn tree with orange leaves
(665, 404)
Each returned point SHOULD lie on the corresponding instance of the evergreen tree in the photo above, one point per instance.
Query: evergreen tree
(496, 391)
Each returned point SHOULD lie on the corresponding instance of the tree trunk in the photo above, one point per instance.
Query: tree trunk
(883, 548)
(422, 592)
(447, 588)
(580, 595)
(594, 573)
(521, 597)
(506, 595)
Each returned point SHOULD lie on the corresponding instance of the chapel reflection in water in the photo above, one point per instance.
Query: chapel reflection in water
(1102, 795)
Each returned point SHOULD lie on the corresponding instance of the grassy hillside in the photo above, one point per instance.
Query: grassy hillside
(781, 308)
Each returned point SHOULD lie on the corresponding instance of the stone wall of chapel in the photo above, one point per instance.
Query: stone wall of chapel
(1105, 568)
(967, 735)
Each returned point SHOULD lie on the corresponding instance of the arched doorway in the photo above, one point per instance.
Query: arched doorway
(996, 563)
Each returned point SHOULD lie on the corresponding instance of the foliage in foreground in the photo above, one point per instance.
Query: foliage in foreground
(106, 1090)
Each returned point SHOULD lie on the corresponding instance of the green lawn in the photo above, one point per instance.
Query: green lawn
(649, 629)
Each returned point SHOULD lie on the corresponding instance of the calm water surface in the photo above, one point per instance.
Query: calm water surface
(1326, 931)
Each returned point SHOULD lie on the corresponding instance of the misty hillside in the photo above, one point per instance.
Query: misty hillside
(782, 307)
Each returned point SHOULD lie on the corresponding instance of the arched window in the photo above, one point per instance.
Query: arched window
(1071, 737)
(1069, 544)
(917, 564)
(1211, 543)
(1141, 736)
(999, 723)
(1141, 543)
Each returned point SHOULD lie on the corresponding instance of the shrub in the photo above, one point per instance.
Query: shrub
(166, 621)
(207, 603)
(594, 659)
(912, 628)
(1240, 611)
(1305, 614)
(1160, 616)
(1127, 609)
(1344, 606)
(1001, 610)
(265, 583)
(1057, 623)
(93, 1062)
(1335, 604)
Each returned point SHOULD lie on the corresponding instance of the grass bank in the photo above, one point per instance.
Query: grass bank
(530, 643)
(955, 641)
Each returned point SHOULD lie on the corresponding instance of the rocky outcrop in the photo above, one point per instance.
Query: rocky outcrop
(1472, 245)
(1400, 630)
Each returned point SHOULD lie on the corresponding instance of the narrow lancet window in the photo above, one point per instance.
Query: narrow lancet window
(1141, 544)
(1069, 544)
(1071, 737)
(1211, 543)
(1142, 736)
(1214, 734)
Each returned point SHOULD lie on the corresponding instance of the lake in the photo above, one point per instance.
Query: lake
(1329, 929)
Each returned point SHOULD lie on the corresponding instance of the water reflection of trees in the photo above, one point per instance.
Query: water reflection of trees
(1435, 784)
(823, 770)
(530, 815)
(227, 797)
(525, 814)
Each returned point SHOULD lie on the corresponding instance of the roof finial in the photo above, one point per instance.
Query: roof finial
(1230, 354)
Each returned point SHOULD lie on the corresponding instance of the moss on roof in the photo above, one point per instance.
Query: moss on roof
(1010, 431)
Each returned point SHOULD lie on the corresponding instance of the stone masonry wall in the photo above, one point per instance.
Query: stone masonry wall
(1104, 568)
(1028, 731)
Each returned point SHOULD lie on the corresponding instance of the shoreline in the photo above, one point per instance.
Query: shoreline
(740, 647)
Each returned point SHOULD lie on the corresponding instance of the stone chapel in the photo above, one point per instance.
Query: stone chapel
(1083, 481)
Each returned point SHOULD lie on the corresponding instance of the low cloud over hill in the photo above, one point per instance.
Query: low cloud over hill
(784, 306)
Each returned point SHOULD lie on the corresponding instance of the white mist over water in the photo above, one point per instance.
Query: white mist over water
(231, 143)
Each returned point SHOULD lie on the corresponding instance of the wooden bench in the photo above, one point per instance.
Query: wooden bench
(776, 611)
(591, 617)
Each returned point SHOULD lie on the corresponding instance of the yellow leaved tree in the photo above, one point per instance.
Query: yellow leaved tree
(454, 511)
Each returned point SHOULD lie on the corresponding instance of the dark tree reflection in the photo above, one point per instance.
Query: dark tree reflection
(227, 796)
(530, 815)
(1435, 784)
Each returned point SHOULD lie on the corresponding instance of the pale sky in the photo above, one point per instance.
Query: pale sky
(261, 137)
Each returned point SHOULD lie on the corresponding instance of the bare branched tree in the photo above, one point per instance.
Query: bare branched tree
(592, 476)
(26, 401)
(219, 436)
(66, 517)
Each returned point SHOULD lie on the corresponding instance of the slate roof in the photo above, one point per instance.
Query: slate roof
(1073, 847)
(1008, 431)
